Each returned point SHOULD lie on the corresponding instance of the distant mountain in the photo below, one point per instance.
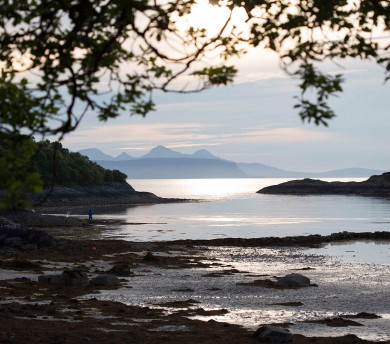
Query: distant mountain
(163, 162)
(160, 168)
(351, 172)
(162, 152)
(203, 154)
(264, 171)
(258, 170)
(95, 154)
(123, 156)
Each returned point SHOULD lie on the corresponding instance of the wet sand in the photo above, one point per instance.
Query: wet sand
(185, 293)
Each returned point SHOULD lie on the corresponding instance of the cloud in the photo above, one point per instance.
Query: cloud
(173, 135)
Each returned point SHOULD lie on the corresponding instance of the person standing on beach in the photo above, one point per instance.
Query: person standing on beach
(90, 213)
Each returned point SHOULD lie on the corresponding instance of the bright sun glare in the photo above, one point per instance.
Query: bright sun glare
(212, 18)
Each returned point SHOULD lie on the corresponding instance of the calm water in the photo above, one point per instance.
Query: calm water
(233, 209)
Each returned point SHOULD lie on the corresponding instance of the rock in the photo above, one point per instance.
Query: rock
(16, 235)
(30, 247)
(74, 278)
(273, 334)
(105, 280)
(8, 224)
(13, 241)
(375, 186)
(121, 269)
(109, 193)
(293, 281)
(149, 257)
(60, 280)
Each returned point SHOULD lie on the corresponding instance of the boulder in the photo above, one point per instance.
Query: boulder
(30, 247)
(13, 241)
(149, 257)
(293, 281)
(121, 269)
(273, 334)
(105, 280)
(73, 278)
(15, 235)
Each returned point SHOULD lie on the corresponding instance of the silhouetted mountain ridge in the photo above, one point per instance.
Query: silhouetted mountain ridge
(163, 162)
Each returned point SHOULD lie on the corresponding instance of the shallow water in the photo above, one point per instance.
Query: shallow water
(343, 288)
(232, 208)
(366, 251)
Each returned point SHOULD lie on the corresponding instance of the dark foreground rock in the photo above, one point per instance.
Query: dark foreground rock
(74, 278)
(15, 235)
(375, 186)
(293, 281)
(273, 334)
(105, 280)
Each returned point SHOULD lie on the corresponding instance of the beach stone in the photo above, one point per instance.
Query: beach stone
(74, 278)
(30, 247)
(60, 280)
(121, 269)
(293, 281)
(105, 280)
(149, 257)
(273, 334)
(13, 241)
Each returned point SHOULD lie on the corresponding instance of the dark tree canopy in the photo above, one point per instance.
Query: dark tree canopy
(60, 59)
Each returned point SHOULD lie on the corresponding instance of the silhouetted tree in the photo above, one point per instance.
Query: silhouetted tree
(62, 58)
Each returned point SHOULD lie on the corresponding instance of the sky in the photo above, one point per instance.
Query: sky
(253, 120)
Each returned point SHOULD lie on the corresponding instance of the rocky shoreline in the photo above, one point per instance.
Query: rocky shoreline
(104, 195)
(300, 241)
(375, 186)
(63, 305)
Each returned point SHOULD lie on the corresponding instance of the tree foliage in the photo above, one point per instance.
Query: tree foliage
(70, 168)
(52, 165)
(60, 59)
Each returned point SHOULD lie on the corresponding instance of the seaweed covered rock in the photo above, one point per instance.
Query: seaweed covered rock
(73, 278)
(16, 235)
(293, 281)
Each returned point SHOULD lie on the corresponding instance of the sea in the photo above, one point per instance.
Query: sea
(232, 208)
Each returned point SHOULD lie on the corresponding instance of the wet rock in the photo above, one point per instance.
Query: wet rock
(289, 304)
(273, 334)
(149, 257)
(60, 280)
(8, 224)
(184, 290)
(363, 315)
(30, 247)
(15, 235)
(121, 269)
(178, 304)
(13, 241)
(19, 264)
(334, 322)
(105, 280)
(264, 283)
(201, 312)
(293, 281)
(74, 278)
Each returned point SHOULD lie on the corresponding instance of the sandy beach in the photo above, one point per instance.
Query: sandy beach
(171, 292)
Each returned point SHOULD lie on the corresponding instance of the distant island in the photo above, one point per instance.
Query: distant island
(163, 163)
(376, 186)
